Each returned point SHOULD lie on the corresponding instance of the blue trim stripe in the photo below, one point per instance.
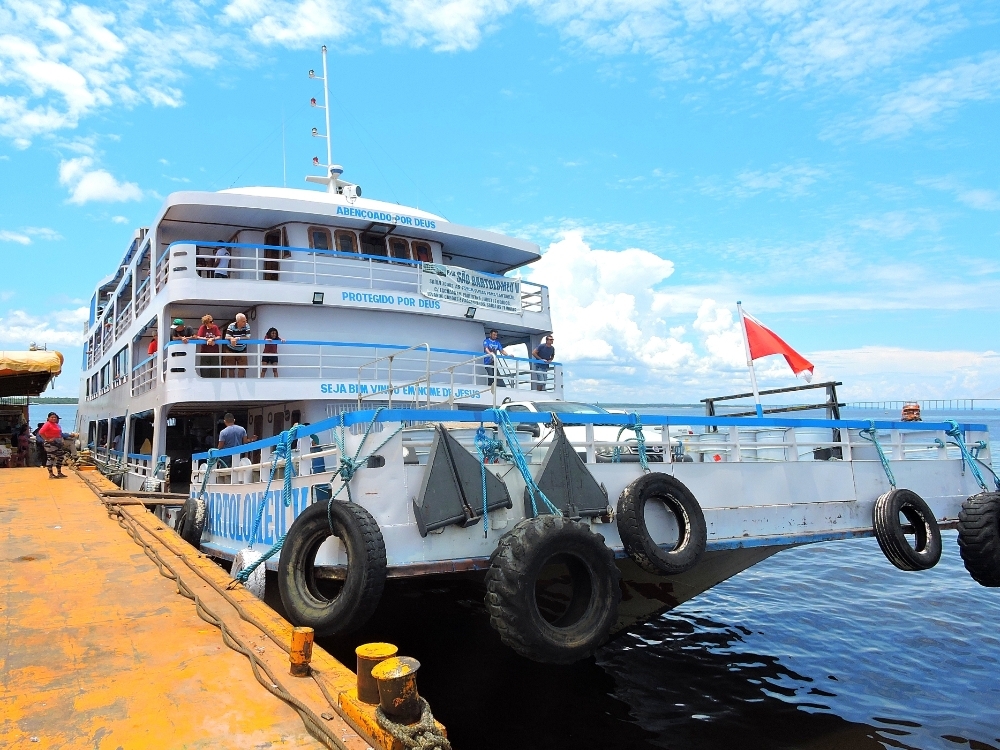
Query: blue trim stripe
(364, 344)
(489, 415)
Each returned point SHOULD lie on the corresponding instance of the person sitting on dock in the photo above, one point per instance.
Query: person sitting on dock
(236, 333)
(55, 451)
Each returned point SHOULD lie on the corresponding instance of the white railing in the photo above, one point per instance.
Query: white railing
(364, 371)
(162, 270)
(142, 296)
(144, 376)
(124, 320)
(328, 268)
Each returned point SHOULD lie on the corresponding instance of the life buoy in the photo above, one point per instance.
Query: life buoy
(891, 536)
(552, 589)
(979, 537)
(692, 532)
(332, 606)
(191, 521)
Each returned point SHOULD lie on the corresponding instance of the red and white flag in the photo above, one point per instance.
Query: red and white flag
(763, 342)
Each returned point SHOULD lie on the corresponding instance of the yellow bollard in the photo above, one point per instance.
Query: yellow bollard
(369, 655)
(301, 652)
(397, 688)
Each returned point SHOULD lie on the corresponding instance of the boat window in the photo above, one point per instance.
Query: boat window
(347, 242)
(517, 407)
(422, 252)
(273, 238)
(319, 238)
(373, 244)
(399, 248)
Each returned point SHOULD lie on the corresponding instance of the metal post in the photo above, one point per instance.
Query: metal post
(331, 186)
(753, 375)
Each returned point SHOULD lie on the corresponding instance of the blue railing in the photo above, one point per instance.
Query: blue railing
(647, 420)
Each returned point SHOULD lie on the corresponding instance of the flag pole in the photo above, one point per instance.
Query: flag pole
(753, 375)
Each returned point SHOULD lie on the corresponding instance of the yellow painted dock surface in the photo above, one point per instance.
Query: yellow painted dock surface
(99, 651)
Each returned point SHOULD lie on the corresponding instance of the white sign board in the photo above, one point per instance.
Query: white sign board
(470, 288)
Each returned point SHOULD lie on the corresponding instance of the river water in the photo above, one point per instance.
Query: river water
(820, 647)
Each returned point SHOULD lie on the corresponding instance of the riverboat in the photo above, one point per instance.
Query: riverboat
(385, 443)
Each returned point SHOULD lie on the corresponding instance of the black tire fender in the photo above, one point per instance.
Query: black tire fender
(979, 537)
(679, 501)
(589, 609)
(890, 535)
(191, 521)
(359, 596)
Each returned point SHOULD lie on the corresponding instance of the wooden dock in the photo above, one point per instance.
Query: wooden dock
(98, 649)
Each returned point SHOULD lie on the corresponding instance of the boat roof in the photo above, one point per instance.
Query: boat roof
(28, 373)
(213, 216)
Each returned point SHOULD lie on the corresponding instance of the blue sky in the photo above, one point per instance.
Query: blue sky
(834, 165)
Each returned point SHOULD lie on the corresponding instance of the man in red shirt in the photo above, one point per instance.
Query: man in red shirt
(52, 434)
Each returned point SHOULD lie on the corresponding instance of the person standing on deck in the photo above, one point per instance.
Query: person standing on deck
(236, 362)
(232, 436)
(55, 451)
(270, 356)
(222, 263)
(209, 353)
(492, 346)
(545, 352)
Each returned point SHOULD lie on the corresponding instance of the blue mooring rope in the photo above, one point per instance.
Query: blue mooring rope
(490, 450)
(956, 432)
(347, 469)
(640, 440)
(870, 434)
(510, 436)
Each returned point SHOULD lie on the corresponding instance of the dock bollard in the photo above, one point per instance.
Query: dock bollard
(397, 688)
(369, 655)
(301, 652)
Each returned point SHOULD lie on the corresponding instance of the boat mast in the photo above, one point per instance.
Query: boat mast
(333, 171)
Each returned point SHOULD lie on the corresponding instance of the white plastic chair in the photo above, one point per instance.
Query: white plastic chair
(242, 475)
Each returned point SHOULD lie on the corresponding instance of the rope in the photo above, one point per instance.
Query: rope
(510, 436)
(349, 465)
(640, 440)
(423, 735)
(212, 461)
(282, 451)
(956, 432)
(871, 435)
(263, 674)
(489, 449)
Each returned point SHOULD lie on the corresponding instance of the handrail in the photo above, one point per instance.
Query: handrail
(150, 358)
(390, 357)
(489, 415)
(331, 253)
(374, 345)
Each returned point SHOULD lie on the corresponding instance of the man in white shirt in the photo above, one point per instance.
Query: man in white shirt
(222, 263)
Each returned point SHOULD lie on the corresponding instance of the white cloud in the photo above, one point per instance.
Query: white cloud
(980, 199)
(60, 63)
(25, 235)
(921, 102)
(119, 220)
(86, 184)
(789, 180)
(292, 24)
(899, 224)
(20, 238)
(445, 25)
(57, 328)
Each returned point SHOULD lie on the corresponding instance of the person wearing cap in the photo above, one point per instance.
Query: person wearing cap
(181, 331)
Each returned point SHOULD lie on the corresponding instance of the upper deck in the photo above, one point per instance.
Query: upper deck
(294, 254)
